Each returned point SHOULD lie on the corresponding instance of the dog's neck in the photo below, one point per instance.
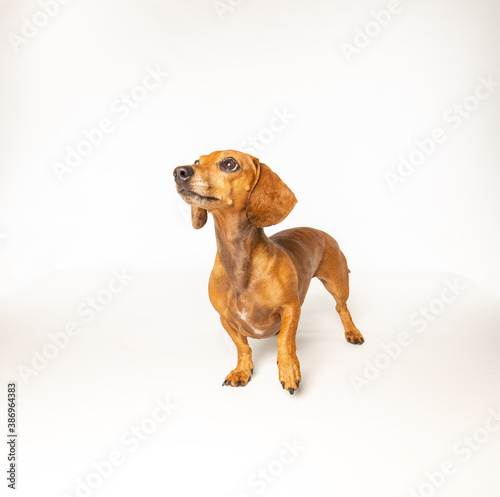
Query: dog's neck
(237, 241)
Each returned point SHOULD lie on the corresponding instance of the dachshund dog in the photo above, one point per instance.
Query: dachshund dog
(258, 283)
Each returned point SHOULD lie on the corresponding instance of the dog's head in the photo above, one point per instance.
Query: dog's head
(230, 180)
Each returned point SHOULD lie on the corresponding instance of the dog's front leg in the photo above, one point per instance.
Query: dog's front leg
(288, 364)
(239, 376)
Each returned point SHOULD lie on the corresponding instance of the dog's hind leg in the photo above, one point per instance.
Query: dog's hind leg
(334, 275)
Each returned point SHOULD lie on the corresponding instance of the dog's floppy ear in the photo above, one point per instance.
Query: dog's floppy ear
(198, 217)
(271, 200)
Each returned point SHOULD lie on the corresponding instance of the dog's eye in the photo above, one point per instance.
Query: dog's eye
(196, 162)
(229, 165)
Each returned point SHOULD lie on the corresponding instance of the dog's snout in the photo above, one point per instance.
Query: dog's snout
(182, 174)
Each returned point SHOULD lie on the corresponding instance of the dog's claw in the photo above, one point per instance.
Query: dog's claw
(354, 337)
(289, 373)
(238, 378)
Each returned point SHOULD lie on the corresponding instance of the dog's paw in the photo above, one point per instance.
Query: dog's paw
(354, 336)
(289, 373)
(238, 377)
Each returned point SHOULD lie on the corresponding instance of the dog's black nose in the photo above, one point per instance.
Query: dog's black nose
(182, 174)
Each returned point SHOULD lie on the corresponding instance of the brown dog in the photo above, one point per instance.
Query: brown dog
(258, 284)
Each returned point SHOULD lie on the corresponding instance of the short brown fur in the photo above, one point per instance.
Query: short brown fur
(258, 283)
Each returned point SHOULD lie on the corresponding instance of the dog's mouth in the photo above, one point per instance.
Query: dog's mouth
(188, 194)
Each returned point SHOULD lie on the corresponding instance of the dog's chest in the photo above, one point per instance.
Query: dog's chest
(253, 320)
(253, 310)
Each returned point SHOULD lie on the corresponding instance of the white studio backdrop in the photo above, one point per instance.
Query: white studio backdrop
(381, 116)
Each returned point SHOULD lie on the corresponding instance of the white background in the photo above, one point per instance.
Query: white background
(228, 75)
